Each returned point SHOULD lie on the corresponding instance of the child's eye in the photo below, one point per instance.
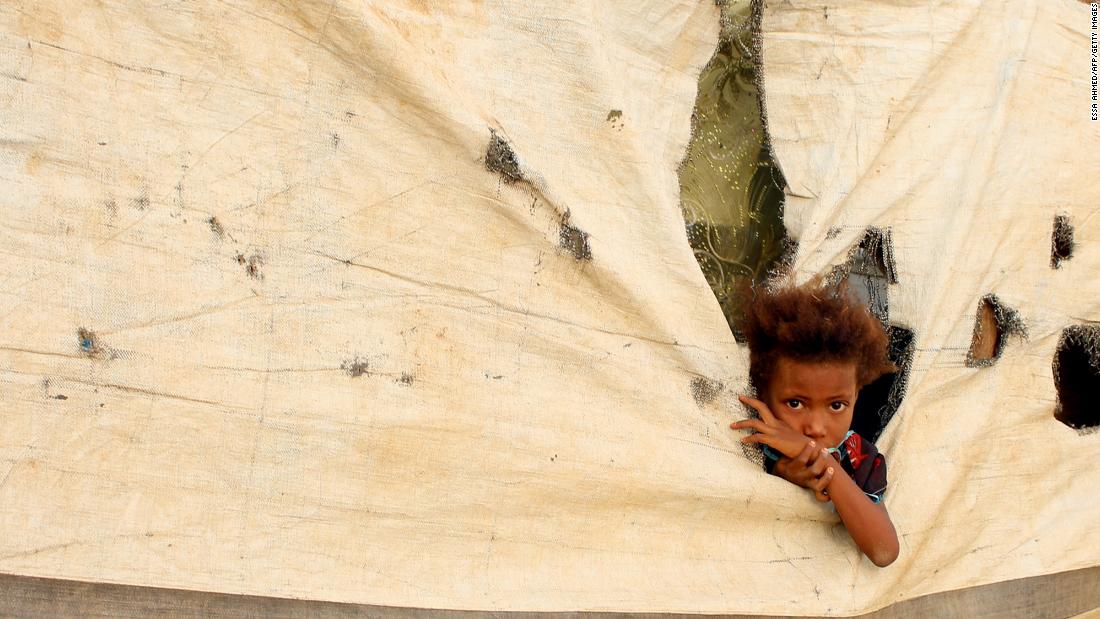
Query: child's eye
(838, 406)
(794, 404)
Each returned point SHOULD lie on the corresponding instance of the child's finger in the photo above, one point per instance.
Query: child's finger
(809, 452)
(822, 461)
(819, 466)
(822, 484)
(765, 412)
(750, 424)
(757, 439)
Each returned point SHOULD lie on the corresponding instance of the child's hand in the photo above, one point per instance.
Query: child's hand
(812, 469)
(770, 431)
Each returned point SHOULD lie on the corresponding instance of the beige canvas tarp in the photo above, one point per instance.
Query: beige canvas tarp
(391, 303)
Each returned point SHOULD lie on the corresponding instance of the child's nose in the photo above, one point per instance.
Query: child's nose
(814, 426)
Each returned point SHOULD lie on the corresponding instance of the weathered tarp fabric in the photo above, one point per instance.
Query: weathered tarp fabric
(392, 303)
(965, 130)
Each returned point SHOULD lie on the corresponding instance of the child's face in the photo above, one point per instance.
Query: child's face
(814, 398)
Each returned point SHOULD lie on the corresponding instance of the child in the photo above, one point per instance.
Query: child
(811, 350)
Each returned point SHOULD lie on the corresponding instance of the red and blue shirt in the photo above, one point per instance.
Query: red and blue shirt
(859, 458)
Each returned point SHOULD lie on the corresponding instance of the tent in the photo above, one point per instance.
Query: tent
(394, 305)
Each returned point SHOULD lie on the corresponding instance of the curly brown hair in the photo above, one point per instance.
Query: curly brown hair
(813, 322)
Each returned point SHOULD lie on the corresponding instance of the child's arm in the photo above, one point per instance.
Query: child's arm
(808, 470)
(868, 523)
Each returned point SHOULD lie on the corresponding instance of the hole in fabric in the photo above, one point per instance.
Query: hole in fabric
(879, 400)
(992, 325)
(89, 343)
(500, 158)
(866, 277)
(574, 240)
(731, 191)
(1061, 241)
(1077, 376)
(987, 336)
(93, 347)
(869, 271)
(876, 252)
